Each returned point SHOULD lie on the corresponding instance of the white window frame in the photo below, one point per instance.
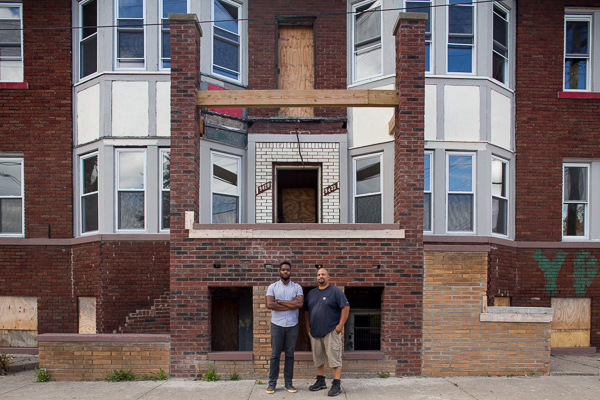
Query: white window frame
(473, 191)
(21, 161)
(429, 192)
(498, 6)
(82, 195)
(20, 59)
(355, 185)
(589, 70)
(431, 4)
(118, 189)
(165, 21)
(84, 40)
(505, 198)
(239, 186)
(240, 38)
(354, 51)
(116, 44)
(586, 202)
(473, 46)
(162, 189)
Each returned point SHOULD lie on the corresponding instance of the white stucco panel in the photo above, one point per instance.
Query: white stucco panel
(462, 113)
(163, 108)
(430, 112)
(501, 120)
(367, 126)
(130, 109)
(88, 114)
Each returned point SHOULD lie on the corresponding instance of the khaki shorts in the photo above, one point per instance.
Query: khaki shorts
(327, 349)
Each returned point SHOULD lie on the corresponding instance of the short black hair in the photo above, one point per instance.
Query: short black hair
(285, 263)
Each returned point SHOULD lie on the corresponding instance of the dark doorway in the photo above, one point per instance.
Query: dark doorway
(297, 195)
(231, 319)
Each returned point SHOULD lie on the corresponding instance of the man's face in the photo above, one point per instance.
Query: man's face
(285, 271)
(322, 277)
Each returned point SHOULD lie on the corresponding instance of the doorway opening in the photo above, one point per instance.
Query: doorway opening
(297, 194)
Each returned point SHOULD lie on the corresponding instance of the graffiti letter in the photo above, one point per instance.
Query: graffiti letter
(550, 268)
(586, 267)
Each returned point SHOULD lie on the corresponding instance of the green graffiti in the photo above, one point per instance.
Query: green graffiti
(586, 267)
(550, 268)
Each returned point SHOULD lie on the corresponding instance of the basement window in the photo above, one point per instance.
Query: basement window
(231, 319)
(363, 328)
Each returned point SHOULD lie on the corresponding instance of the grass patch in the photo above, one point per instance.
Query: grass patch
(121, 375)
(383, 375)
(153, 376)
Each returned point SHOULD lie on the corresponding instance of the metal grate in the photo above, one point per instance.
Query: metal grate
(367, 332)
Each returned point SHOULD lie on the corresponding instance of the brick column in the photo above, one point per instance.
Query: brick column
(402, 333)
(190, 334)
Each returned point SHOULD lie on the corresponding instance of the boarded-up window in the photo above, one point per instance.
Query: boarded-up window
(87, 315)
(18, 321)
(296, 64)
(297, 195)
(571, 323)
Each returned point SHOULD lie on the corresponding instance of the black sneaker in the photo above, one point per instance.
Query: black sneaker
(319, 384)
(336, 388)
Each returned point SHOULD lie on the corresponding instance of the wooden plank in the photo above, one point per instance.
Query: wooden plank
(296, 65)
(18, 338)
(574, 338)
(501, 301)
(87, 315)
(296, 98)
(18, 313)
(298, 205)
(571, 314)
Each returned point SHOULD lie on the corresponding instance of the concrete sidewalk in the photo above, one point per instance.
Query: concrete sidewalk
(572, 377)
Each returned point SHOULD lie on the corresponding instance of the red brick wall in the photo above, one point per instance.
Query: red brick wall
(544, 123)
(38, 121)
(330, 46)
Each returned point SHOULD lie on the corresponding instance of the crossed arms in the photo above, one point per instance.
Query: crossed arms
(284, 305)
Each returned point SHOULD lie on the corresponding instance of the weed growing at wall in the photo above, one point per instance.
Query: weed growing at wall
(210, 375)
(4, 364)
(41, 375)
(120, 376)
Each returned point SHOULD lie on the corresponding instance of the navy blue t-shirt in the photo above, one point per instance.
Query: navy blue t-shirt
(324, 309)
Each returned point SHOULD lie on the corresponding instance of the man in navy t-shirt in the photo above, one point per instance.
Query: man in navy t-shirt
(326, 313)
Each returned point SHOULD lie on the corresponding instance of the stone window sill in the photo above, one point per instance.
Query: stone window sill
(517, 314)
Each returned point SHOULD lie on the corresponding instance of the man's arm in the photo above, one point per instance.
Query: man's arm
(273, 305)
(307, 322)
(343, 319)
(293, 304)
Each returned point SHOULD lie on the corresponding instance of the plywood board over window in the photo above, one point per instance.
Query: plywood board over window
(87, 315)
(296, 64)
(571, 323)
(18, 321)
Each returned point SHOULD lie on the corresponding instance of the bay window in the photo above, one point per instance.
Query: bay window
(367, 53)
(499, 196)
(368, 189)
(226, 39)
(89, 192)
(130, 34)
(460, 191)
(461, 37)
(131, 189)
(225, 188)
(500, 45)
(88, 43)
(165, 189)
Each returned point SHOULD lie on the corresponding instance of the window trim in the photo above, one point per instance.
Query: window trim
(117, 189)
(430, 192)
(161, 189)
(161, 59)
(473, 191)
(473, 46)
(81, 189)
(239, 186)
(354, 51)
(21, 160)
(495, 6)
(21, 58)
(506, 197)
(240, 36)
(586, 225)
(589, 71)
(354, 183)
(116, 38)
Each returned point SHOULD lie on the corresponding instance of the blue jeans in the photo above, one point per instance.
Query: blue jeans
(282, 339)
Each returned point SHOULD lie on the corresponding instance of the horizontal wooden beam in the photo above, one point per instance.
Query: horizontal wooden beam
(295, 98)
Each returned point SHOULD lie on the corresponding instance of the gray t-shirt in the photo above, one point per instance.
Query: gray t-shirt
(324, 309)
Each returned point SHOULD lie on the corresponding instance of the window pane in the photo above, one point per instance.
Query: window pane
(90, 174)
(460, 212)
(498, 178)
(460, 174)
(131, 170)
(575, 185)
(426, 173)
(500, 30)
(460, 19)
(131, 210)
(367, 22)
(174, 7)
(499, 214)
(131, 44)
(368, 63)
(498, 67)
(368, 175)
(573, 219)
(226, 55)
(10, 34)
(11, 216)
(166, 210)
(10, 178)
(421, 7)
(131, 9)
(460, 58)
(89, 56)
(89, 18)
(225, 175)
(368, 209)
(577, 37)
(427, 212)
(575, 73)
(89, 213)
(166, 44)
(225, 209)
(11, 71)
(10, 13)
(166, 163)
(226, 16)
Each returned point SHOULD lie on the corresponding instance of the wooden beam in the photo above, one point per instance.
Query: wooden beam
(295, 98)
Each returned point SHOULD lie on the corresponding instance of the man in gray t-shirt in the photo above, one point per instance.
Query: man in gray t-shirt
(284, 298)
